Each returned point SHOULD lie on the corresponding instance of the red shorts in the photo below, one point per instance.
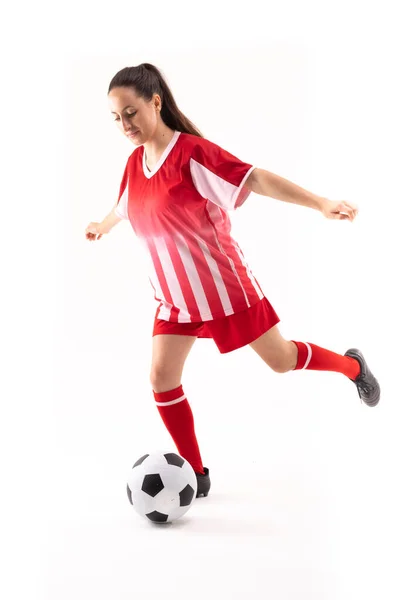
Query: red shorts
(229, 333)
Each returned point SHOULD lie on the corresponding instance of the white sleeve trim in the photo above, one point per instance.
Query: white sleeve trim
(242, 194)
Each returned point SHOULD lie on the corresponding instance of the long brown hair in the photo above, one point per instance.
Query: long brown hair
(147, 80)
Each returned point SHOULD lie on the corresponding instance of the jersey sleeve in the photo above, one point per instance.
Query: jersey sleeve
(121, 209)
(218, 175)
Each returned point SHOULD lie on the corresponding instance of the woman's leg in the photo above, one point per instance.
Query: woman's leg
(169, 355)
(284, 355)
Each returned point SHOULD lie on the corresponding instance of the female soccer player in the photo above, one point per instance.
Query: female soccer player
(176, 190)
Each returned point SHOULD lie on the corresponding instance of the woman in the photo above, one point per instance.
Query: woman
(176, 190)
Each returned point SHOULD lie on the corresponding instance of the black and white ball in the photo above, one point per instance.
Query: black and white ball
(162, 487)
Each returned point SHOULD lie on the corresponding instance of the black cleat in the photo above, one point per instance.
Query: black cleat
(367, 385)
(203, 483)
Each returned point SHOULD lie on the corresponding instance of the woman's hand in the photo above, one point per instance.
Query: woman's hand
(338, 210)
(94, 231)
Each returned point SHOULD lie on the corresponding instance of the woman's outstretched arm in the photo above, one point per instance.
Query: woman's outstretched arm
(266, 183)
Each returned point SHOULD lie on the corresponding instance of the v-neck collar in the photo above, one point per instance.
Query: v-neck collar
(162, 158)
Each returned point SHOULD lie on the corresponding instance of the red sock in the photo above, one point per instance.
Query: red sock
(314, 358)
(177, 415)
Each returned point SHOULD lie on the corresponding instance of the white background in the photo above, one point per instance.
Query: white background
(304, 499)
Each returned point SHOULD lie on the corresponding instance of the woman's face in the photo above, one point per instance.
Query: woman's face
(136, 118)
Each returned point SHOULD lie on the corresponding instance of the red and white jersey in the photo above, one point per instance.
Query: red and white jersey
(179, 212)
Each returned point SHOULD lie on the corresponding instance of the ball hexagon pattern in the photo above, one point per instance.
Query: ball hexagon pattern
(161, 487)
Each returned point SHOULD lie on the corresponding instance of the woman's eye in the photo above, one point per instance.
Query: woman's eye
(128, 115)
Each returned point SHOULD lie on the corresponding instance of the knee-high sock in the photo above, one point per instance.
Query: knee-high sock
(177, 415)
(315, 358)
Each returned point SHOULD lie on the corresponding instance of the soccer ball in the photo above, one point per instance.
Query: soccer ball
(162, 487)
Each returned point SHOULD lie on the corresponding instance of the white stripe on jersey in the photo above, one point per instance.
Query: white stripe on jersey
(170, 274)
(194, 279)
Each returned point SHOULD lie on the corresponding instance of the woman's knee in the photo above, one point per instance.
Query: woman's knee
(278, 353)
(169, 355)
(280, 367)
(286, 361)
(163, 381)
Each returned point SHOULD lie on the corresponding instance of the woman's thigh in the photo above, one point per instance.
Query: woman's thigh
(169, 354)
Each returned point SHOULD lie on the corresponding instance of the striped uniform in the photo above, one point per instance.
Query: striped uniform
(179, 213)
